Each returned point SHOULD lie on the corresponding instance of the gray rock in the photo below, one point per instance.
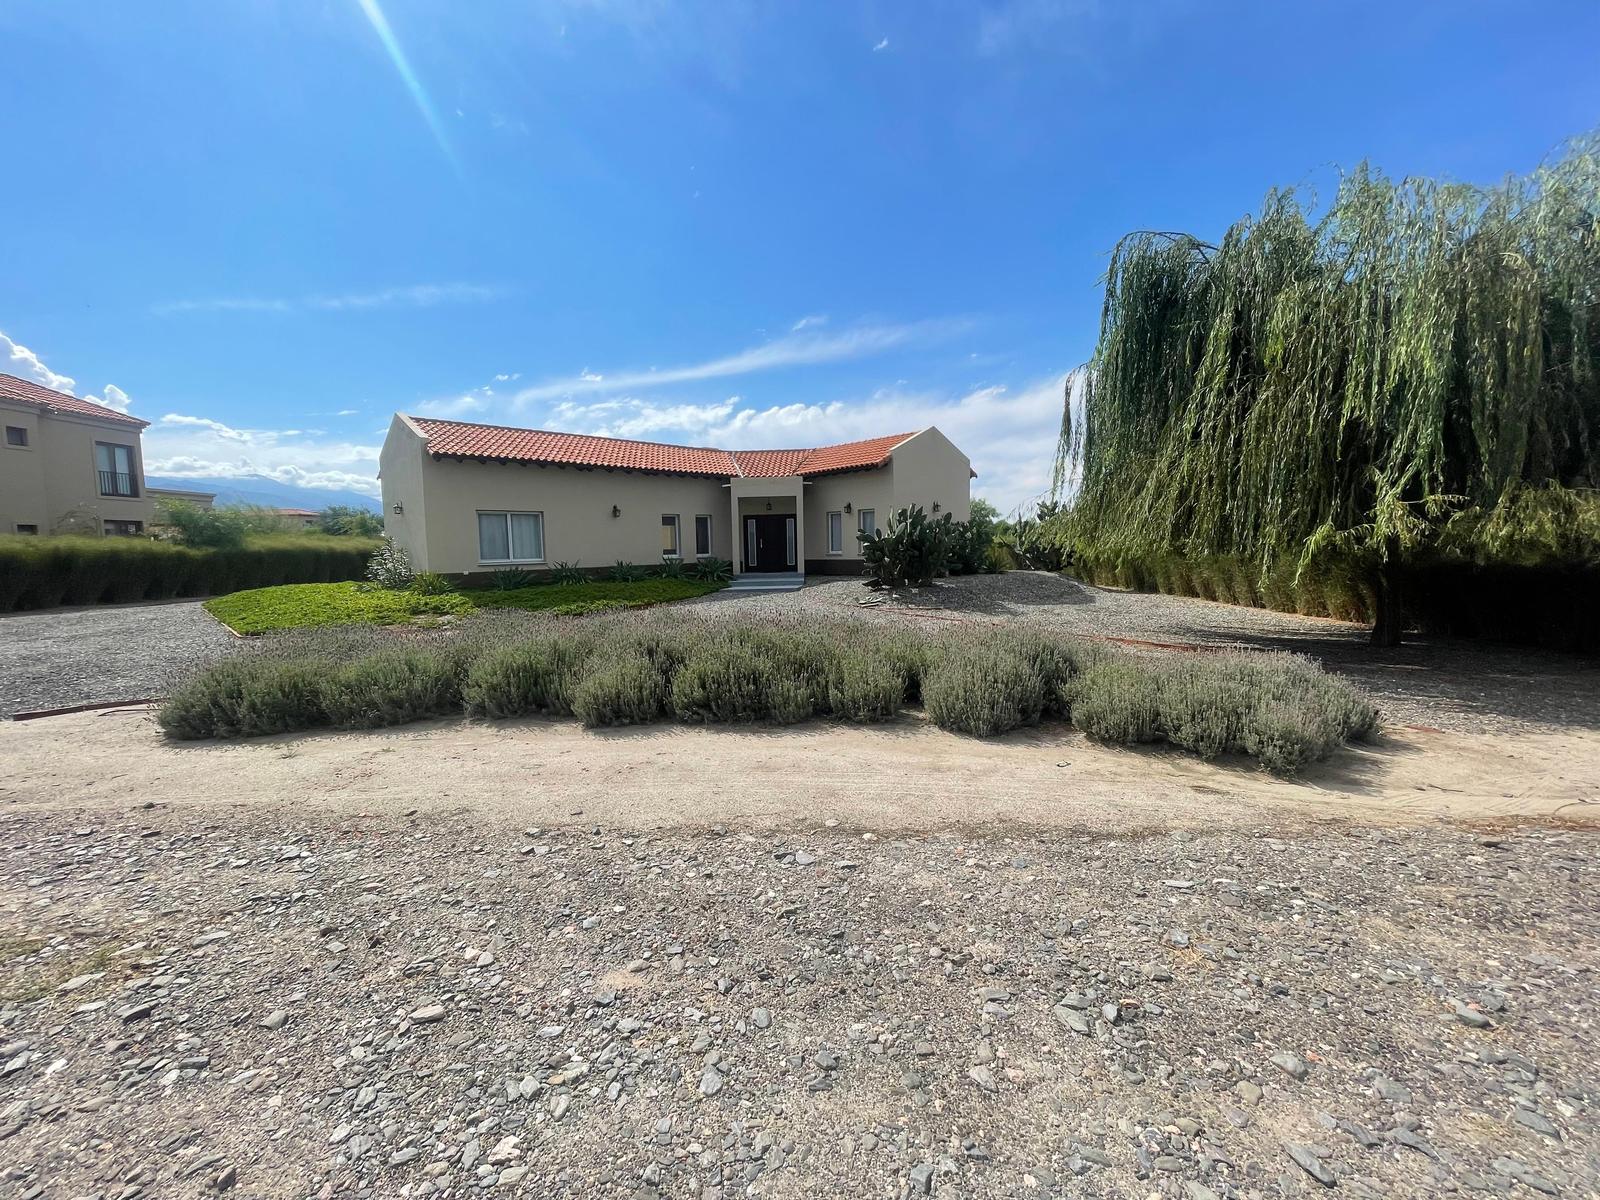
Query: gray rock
(275, 1019)
(710, 1082)
(1290, 1064)
(761, 1018)
(1308, 1161)
(1536, 1122)
(428, 1014)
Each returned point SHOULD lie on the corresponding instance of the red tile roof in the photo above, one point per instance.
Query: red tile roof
(500, 443)
(12, 388)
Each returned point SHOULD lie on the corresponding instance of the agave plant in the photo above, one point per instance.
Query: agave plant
(566, 572)
(626, 572)
(714, 570)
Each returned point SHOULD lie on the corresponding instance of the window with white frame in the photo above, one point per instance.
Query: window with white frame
(702, 535)
(868, 521)
(669, 535)
(510, 537)
(836, 533)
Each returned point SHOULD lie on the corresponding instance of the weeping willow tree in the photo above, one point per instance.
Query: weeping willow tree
(1415, 370)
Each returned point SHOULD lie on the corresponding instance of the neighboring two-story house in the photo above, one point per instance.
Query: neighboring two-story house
(69, 465)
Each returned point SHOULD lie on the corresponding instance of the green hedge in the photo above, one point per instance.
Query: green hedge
(628, 669)
(44, 572)
(1556, 607)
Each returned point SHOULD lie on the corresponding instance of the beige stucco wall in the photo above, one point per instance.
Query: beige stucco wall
(829, 493)
(441, 531)
(929, 470)
(56, 474)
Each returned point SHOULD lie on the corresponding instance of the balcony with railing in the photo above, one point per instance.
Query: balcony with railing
(117, 483)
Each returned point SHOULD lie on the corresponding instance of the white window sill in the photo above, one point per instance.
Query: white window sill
(512, 562)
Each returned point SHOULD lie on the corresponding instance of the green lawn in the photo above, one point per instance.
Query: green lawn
(303, 605)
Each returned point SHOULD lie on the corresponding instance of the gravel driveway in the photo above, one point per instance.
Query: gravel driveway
(316, 1005)
(1461, 686)
(114, 652)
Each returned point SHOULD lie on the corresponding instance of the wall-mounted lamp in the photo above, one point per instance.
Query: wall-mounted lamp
(769, 505)
(398, 509)
(935, 506)
(615, 511)
(847, 506)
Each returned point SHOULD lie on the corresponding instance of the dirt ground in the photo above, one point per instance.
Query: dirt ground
(524, 959)
(555, 773)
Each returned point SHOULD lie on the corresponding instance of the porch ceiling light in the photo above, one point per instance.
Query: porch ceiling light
(769, 505)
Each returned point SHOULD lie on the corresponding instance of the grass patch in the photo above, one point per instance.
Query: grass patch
(634, 668)
(312, 606)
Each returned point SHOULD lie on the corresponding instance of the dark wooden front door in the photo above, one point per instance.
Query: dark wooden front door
(768, 543)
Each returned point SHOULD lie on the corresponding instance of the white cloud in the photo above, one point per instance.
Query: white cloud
(883, 45)
(114, 398)
(347, 412)
(187, 446)
(810, 322)
(791, 350)
(418, 295)
(25, 364)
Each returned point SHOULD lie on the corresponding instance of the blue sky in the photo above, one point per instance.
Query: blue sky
(265, 226)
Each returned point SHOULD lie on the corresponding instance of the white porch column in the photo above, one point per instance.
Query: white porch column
(736, 528)
(800, 525)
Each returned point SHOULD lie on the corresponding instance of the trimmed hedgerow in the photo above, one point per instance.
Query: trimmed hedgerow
(45, 572)
(629, 669)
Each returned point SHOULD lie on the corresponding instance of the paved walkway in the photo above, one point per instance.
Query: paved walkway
(70, 656)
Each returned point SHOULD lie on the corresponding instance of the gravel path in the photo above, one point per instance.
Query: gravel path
(1461, 686)
(306, 1005)
(115, 652)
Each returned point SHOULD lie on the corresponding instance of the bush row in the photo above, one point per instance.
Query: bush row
(43, 572)
(1553, 606)
(1282, 710)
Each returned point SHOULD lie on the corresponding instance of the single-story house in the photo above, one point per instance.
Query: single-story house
(303, 518)
(182, 496)
(464, 498)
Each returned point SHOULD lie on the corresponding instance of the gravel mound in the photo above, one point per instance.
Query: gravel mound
(396, 1007)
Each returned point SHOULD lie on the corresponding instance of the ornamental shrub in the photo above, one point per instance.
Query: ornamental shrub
(911, 552)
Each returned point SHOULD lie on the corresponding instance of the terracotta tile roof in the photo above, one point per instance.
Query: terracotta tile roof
(501, 443)
(12, 388)
(451, 439)
(768, 464)
(850, 456)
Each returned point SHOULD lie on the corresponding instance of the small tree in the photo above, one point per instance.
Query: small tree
(217, 528)
(390, 567)
(347, 520)
(972, 540)
(910, 552)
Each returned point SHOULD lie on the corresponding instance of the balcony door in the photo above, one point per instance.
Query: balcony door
(114, 464)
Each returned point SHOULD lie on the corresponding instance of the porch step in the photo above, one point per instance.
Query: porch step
(786, 581)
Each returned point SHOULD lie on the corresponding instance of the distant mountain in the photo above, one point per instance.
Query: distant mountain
(259, 489)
